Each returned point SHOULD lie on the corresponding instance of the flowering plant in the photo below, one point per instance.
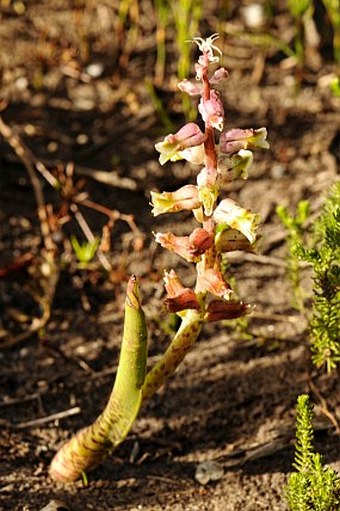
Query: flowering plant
(223, 226)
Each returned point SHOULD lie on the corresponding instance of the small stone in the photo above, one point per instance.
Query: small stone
(21, 83)
(95, 70)
(253, 15)
(55, 505)
(52, 147)
(82, 139)
(278, 171)
(208, 471)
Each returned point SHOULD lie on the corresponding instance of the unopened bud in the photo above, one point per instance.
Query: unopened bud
(219, 75)
(212, 110)
(193, 89)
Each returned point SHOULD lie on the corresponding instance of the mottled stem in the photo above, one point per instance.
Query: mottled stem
(86, 449)
(182, 342)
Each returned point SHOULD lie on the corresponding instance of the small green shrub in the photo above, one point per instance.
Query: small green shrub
(325, 260)
(313, 487)
(323, 254)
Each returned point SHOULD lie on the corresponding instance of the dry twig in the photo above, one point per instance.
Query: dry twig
(27, 158)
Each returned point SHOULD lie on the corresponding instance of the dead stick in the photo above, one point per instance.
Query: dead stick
(27, 158)
(42, 420)
(110, 178)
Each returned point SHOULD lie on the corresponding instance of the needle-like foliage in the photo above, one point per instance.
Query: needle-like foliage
(313, 487)
(325, 260)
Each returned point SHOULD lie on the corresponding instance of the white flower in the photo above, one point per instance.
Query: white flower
(207, 47)
(230, 213)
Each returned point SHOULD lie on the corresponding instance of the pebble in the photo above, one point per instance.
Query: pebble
(208, 471)
(253, 15)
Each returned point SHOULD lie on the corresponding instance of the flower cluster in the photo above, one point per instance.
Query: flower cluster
(224, 225)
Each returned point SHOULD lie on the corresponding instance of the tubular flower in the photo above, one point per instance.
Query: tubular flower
(179, 297)
(233, 140)
(212, 281)
(188, 247)
(186, 198)
(220, 309)
(195, 89)
(179, 244)
(230, 213)
(212, 110)
(235, 166)
(170, 148)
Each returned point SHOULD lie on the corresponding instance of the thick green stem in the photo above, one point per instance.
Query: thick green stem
(182, 342)
(85, 450)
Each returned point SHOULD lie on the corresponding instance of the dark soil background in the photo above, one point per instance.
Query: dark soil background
(76, 82)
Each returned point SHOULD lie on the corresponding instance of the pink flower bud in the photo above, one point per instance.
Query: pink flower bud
(170, 148)
(230, 213)
(186, 198)
(193, 89)
(179, 297)
(189, 135)
(220, 309)
(212, 110)
(233, 140)
(219, 75)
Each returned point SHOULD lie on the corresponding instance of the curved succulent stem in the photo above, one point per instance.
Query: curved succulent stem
(87, 448)
(183, 341)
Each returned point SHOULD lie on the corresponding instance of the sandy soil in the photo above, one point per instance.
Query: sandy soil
(232, 401)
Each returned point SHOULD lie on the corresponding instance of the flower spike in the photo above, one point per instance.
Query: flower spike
(224, 226)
